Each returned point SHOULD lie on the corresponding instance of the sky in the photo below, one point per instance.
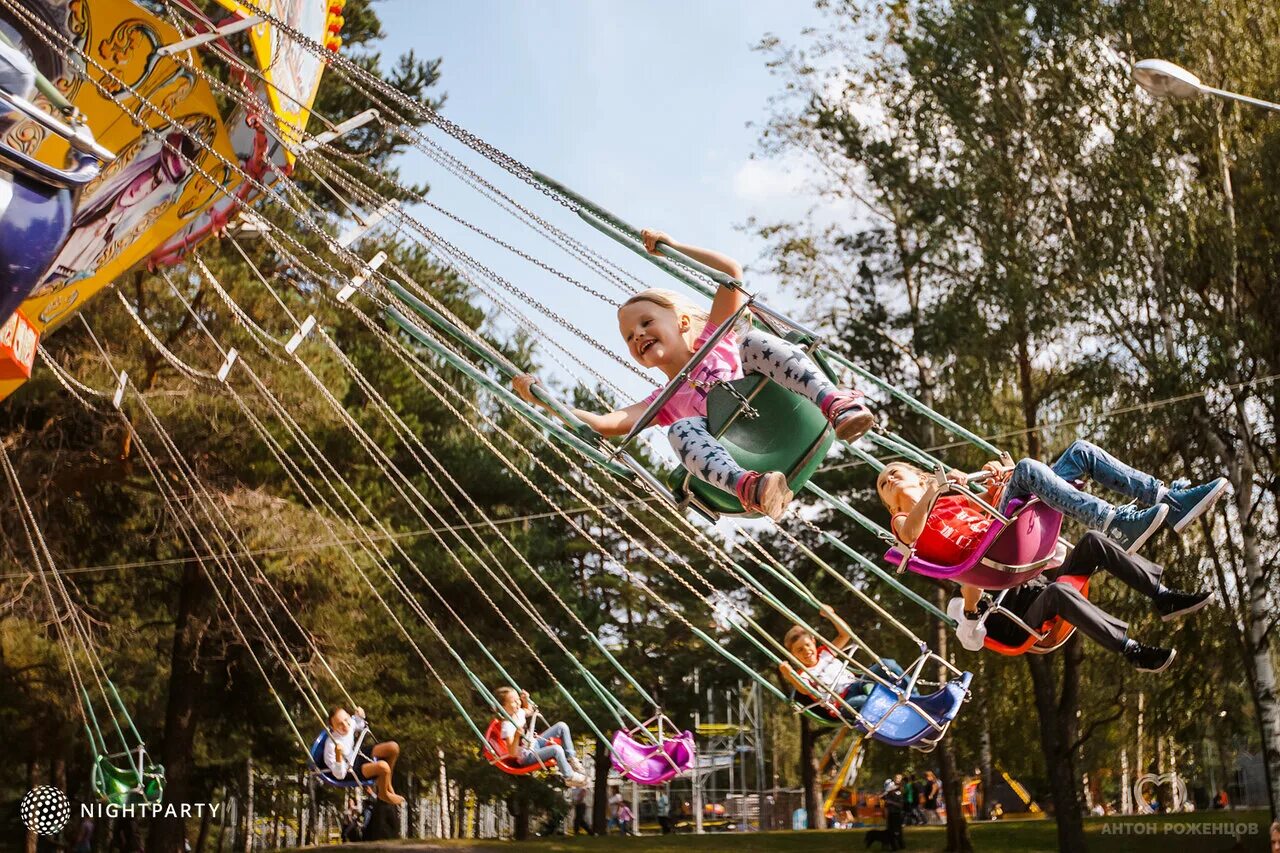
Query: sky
(645, 108)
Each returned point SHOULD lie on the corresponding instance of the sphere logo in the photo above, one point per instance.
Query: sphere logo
(45, 810)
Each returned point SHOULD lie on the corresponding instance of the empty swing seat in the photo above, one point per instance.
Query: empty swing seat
(900, 725)
(652, 763)
(1053, 633)
(788, 434)
(125, 785)
(322, 770)
(497, 754)
(1008, 555)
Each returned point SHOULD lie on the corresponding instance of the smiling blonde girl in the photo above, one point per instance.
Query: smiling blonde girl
(663, 330)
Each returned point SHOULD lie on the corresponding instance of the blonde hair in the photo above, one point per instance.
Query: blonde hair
(681, 304)
(796, 633)
(884, 476)
(504, 693)
(673, 301)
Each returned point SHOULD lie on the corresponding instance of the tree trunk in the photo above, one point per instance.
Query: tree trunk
(186, 683)
(222, 823)
(1057, 737)
(33, 779)
(952, 783)
(809, 780)
(521, 802)
(986, 761)
(203, 835)
(1258, 618)
(247, 841)
(600, 793)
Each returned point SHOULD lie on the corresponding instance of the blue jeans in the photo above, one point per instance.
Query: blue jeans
(544, 750)
(856, 693)
(1080, 461)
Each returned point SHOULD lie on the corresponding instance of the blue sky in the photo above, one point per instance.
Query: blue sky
(643, 107)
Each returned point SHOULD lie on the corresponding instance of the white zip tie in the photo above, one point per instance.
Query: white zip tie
(124, 379)
(340, 129)
(212, 35)
(356, 283)
(298, 336)
(360, 229)
(226, 365)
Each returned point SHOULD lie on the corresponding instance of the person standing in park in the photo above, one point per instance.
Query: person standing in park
(894, 811)
(580, 811)
(625, 817)
(664, 812)
(932, 788)
(909, 790)
(615, 803)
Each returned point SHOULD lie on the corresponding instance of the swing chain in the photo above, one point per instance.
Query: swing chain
(748, 411)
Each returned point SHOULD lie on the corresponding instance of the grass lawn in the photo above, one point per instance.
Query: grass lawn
(1164, 834)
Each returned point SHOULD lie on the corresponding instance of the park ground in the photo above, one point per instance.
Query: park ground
(1185, 833)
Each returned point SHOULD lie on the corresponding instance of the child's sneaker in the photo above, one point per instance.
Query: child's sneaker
(576, 780)
(1132, 526)
(1173, 603)
(848, 414)
(1149, 658)
(767, 493)
(576, 764)
(1186, 505)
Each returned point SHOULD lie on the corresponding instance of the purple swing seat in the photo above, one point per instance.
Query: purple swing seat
(652, 763)
(1008, 555)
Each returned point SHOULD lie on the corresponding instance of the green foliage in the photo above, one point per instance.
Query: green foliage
(1039, 247)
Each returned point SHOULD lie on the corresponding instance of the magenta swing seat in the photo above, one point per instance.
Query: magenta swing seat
(652, 763)
(1010, 554)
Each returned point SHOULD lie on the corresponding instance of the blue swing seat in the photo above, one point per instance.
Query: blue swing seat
(321, 770)
(35, 224)
(900, 725)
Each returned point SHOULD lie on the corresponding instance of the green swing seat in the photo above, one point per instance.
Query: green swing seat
(789, 434)
(125, 785)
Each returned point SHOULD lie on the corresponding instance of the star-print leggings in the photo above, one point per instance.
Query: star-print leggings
(785, 363)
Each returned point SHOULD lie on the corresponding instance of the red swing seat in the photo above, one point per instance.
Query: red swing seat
(1053, 633)
(497, 754)
(1009, 555)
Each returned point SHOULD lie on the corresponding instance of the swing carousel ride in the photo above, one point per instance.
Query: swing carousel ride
(124, 149)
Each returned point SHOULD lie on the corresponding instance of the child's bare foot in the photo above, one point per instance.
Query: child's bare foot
(392, 798)
(767, 493)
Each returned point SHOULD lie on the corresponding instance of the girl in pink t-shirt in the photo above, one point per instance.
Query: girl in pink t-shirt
(664, 330)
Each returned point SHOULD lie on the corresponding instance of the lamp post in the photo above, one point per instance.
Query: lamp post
(1167, 80)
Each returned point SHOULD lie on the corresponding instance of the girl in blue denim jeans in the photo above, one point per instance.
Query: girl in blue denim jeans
(533, 748)
(908, 492)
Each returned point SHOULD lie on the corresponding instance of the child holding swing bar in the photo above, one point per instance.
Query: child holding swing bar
(537, 749)
(663, 329)
(823, 673)
(947, 530)
(341, 755)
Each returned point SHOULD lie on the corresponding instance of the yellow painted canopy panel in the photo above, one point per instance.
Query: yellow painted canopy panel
(292, 70)
(148, 193)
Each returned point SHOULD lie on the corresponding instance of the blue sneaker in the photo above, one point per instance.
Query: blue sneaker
(1186, 505)
(1133, 526)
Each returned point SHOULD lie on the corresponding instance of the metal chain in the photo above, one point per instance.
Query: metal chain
(471, 140)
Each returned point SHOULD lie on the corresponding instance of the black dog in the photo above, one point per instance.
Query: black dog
(883, 837)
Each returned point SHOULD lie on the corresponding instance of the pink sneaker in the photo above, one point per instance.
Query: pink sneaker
(848, 414)
(767, 493)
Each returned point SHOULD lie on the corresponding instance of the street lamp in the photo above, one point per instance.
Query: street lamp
(1166, 80)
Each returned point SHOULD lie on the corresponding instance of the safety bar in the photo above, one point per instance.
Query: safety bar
(79, 137)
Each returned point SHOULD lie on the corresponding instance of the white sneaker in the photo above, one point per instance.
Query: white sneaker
(576, 780)
(576, 764)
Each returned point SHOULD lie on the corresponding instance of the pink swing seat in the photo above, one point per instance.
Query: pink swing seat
(1010, 554)
(652, 763)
